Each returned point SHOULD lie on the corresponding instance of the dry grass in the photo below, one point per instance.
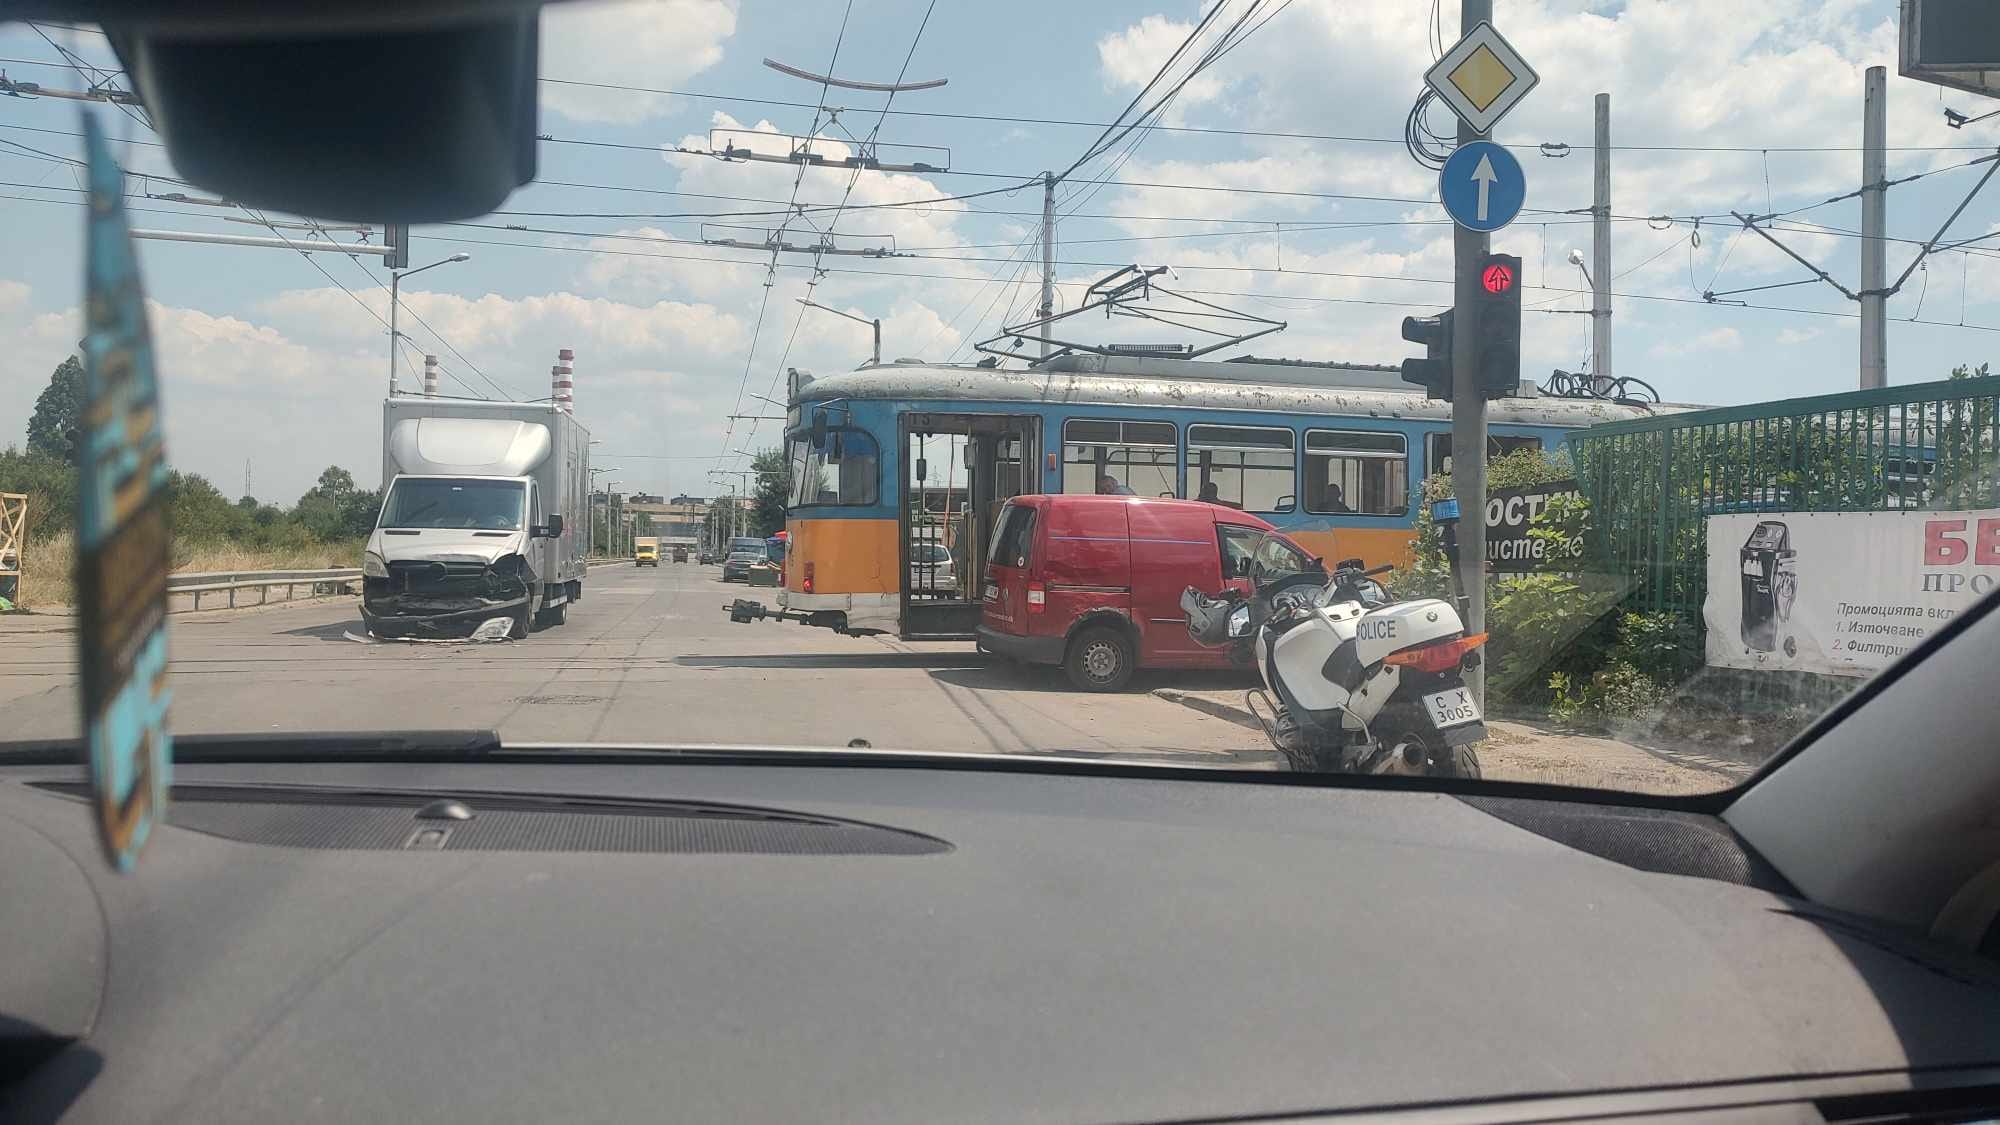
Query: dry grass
(46, 563)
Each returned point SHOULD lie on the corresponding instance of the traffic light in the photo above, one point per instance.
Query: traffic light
(1499, 325)
(1433, 372)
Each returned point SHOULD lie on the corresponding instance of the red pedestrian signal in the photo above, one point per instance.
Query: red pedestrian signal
(1498, 328)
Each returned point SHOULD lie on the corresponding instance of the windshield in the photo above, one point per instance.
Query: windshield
(841, 472)
(490, 505)
(932, 406)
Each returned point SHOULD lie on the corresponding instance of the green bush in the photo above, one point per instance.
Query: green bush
(1664, 646)
(1618, 691)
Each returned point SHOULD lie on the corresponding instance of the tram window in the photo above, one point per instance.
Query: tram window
(1138, 455)
(1357, 473)
(1250, 467)
(843, 473)
(1437, 449)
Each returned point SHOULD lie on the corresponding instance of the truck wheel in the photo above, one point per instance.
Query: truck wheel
(1100, 659)
(552, 616)
(524, 623)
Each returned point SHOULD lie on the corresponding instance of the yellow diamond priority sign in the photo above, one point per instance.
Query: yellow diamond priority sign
(1481, 78)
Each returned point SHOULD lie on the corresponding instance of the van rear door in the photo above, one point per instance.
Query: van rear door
(1173, 547)
(1003, 601)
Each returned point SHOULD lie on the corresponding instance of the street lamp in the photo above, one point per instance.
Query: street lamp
(1576, 259)
(395, 301)
(590, 546)
(875, 356)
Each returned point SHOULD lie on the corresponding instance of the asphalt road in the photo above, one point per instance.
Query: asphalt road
(648, 656)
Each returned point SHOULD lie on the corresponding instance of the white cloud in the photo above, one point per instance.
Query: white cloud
(651, 43)
(1130, 58)
(1789, 337)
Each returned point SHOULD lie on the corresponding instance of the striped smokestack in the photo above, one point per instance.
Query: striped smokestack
(430, 376)
(562, 381)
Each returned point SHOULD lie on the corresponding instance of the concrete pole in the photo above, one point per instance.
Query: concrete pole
(1874, 217)
(1468, 401)
(1600, 247)
(1048, 256)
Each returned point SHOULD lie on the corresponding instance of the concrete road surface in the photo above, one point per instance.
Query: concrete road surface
(647, 656)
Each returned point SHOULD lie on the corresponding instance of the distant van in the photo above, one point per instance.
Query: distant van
(1093, 583)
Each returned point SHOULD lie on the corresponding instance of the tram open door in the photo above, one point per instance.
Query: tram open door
(957, 471)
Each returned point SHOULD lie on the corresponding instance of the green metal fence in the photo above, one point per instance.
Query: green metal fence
(1652, 482)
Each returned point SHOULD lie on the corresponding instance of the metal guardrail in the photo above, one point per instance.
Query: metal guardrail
(332, 581)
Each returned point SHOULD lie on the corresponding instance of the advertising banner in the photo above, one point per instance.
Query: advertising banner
(1509, 548)
(1844, 593)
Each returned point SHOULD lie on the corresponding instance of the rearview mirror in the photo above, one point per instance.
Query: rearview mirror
(923, 469)
(819, 429)
(550, 530)
(1286, 503)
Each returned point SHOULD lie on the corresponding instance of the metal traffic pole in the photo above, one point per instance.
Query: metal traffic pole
(1468, 399)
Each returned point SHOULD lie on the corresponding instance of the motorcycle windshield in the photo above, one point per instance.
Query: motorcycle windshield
(1273, 559)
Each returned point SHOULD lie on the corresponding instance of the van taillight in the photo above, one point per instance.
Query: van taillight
(806, 583)
(1037, 597)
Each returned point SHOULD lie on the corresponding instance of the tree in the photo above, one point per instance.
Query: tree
(58, 418)
(774, 487)
(335, 509)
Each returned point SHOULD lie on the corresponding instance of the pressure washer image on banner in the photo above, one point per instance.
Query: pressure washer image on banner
(1844, 593)
(122, 548)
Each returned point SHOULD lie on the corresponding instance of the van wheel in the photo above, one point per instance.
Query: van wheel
(1100, 659)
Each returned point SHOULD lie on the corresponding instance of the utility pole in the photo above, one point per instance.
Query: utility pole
(1048, 255)
(1874, 217)
(1600, 249)
(1468, 398)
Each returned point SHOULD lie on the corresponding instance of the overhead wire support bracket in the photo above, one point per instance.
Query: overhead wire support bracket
(851, 84)
(1754, 222)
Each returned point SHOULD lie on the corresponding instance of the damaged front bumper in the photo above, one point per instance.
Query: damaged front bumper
(443, 600)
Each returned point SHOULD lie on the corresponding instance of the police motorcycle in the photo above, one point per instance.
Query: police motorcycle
(1363, 684)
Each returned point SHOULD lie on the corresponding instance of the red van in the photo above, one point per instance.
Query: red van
(1094, 583)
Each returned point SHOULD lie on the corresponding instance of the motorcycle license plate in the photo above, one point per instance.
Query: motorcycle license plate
(1452, 707)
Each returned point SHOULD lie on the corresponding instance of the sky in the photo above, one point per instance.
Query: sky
(276, 366)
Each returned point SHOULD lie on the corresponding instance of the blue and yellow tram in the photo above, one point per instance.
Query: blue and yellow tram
(898, 469)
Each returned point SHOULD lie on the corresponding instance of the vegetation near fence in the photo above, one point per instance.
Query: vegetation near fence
(1620, 640)
(325, 528)
(1653, 483)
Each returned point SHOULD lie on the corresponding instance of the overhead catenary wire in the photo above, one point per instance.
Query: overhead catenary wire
(770, 273)
(854, 177)
(1062, 122)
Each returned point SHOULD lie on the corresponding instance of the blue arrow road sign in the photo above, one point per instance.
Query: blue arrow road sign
(1482, 186)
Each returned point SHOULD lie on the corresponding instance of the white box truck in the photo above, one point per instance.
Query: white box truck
(485, 511)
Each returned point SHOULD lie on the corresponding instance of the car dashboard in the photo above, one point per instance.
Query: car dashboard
(692, 939)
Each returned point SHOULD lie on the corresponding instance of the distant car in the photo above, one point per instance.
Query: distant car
(680, 553)
(709, 558)
(744, 552)
(931, 568)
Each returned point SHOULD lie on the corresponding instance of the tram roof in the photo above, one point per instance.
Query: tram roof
(1359, 390)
